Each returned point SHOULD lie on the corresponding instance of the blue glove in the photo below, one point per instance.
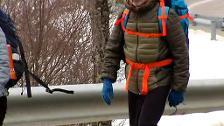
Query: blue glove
(175, 98)
(107, 92)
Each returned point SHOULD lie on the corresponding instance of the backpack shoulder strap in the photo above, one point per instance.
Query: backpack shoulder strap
(160, 10)
(123, 19)
(126, 16)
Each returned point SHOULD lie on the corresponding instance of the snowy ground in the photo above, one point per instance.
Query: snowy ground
(197, 119)
(206, 56)
(206, 62)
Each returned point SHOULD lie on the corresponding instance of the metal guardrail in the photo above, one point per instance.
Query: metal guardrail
(86, 104)
(213, 22)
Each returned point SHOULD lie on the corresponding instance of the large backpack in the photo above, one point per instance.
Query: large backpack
(16, 67)
(18, 64)
(180, 8)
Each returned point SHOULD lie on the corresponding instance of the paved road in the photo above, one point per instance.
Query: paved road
(207, 7)
(193, 1)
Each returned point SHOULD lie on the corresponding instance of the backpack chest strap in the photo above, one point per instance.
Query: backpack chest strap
(162, 16)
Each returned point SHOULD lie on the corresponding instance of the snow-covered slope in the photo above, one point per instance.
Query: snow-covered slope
(206, 56)
(197, 119)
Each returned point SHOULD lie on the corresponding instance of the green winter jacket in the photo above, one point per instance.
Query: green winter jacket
(148, 50)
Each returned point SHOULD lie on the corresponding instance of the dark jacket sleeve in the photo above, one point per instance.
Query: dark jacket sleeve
(179, 50)
(113, 53)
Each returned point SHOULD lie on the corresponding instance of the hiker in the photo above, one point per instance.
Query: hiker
(154, 48)
(4, 75)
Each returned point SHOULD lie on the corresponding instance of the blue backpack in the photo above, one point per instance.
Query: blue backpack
(181, 9)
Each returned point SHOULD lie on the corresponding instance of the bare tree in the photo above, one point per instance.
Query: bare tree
(99, 12)
(56, 38)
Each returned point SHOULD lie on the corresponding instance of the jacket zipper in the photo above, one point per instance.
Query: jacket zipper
(136, 52)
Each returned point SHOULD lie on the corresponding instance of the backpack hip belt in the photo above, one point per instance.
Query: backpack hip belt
(188, 16)
(146, 67)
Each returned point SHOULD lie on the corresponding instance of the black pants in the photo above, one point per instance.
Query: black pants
(3, 107)
(147, 110)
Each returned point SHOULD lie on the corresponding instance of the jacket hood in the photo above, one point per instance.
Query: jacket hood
(140, 5)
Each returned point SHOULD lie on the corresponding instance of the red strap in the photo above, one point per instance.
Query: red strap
(146, 76)
(163, 17)
(190, 17)
(121, 20)
(162, 3)
(187, 16)
(147, 68)
(129, 77)
(146, 35)
(118, 22)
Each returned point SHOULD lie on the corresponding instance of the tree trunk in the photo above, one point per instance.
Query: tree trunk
(99, 15)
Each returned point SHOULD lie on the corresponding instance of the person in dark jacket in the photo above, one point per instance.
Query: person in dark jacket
(156, 67)
(4, 75)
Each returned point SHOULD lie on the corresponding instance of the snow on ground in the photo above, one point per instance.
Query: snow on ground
(197, 119)
(206, 56)
(206, 62)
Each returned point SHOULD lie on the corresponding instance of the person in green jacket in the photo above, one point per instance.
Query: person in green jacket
(157, 61)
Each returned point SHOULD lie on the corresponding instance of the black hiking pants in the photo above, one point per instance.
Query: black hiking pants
(3, 107)
(147, 110)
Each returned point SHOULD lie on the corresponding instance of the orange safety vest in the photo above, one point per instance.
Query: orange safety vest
(147, 67)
